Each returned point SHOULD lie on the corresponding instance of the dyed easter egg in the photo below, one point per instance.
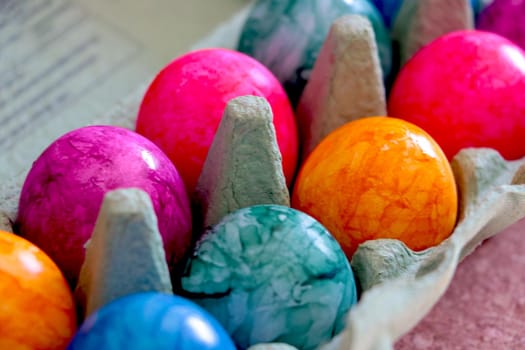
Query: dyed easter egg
(388, 9)
(151, 321)
(37, 310)
(379, 177)
(478, 5)
(183, 107)
(63, 192)
(270, 273)
(287, 35)
(466, 90)
(506, 18)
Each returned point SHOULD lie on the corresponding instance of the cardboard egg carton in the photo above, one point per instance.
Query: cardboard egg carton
(399, 286)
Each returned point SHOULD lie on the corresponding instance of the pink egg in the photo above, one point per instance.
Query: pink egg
(466, 89)
(183, 107)
(506, 18)
(63, 192)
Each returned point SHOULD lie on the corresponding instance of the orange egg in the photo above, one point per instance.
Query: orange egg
(37, 310)
(379, 177)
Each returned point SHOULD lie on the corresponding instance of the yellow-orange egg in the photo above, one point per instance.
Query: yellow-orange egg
(37, 310)
(379, 177)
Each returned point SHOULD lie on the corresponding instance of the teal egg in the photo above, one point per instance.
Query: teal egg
(269, 273)
(287, 35)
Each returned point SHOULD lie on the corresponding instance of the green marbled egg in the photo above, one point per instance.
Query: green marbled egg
(286, 36)
(270, 273)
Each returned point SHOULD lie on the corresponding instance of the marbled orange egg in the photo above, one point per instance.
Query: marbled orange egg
(37, 310)
(379, 177)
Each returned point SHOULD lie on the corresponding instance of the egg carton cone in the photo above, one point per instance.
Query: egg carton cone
(399, 286)
(125, 254)
(243, 166)
(9, 193)
(421, 21)
(346, 82)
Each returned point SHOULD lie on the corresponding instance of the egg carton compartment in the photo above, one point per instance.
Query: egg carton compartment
(398, 285)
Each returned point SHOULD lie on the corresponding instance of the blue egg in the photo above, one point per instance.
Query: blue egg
(151, 321)
(477, 6)
(270, 273)
(390, 8)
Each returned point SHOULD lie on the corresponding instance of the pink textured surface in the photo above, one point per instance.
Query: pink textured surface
(183, 107)
(505, 17)
(63, 192)
(484, 307)
(466, 90)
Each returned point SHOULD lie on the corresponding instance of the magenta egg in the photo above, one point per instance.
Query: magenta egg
(183, 107)
(466, 89)
(63, 192)
(505, 17)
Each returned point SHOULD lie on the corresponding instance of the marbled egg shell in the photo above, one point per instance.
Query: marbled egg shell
(151, 321)
(287, 35)
(379, 177)
(466, 90)
(270, 273)
(37, 310)
(63, 191)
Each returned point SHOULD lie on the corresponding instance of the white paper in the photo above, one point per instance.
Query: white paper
(64, 64)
